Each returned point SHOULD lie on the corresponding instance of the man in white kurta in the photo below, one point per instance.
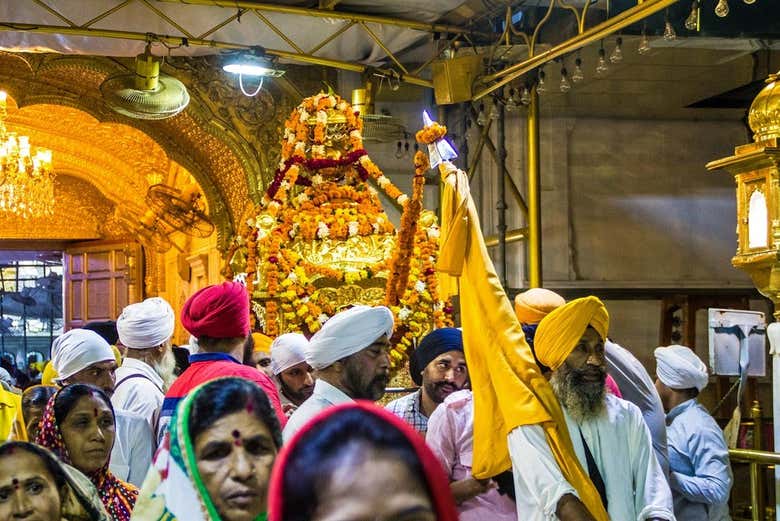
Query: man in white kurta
(349, 354)
(608, 429)
(145, 330)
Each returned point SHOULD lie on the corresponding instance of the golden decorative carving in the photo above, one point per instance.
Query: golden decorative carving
(349, 294)
(80, 211)
(764, 114)
(213, 150)
(354, 253)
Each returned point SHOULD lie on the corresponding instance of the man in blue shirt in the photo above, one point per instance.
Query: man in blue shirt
(700, 474)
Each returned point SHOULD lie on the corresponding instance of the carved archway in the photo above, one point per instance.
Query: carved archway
(227, 143)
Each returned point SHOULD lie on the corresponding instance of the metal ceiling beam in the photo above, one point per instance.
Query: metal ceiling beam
(214, 44)
(320, 13)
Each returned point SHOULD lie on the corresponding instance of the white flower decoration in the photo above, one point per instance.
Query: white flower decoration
(318, 150)
(316, 180)
(402, 199)
(419, 286)
(433, 232)
(382, 181)
(293, 277)
(353, 228)
(302, 198)
(322, 318)
(300, 148)
(322, 117)
(322, 230)
(304, 115)
(404, 313)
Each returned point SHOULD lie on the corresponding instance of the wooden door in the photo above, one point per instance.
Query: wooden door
(100, 279)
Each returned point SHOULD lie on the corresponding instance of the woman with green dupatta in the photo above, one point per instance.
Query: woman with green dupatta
(215, 462)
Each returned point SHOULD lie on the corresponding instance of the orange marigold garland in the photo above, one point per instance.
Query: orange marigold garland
(315, 196)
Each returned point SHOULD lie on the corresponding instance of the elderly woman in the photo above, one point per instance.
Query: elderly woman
(357, 461)
(35, 485)
(78, 426)
(34, 400)
(216, 461)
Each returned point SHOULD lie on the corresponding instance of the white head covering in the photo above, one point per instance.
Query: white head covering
(678, 367)
(287, 351)
(6, 377)
(78, 349)
(348, 332)
(145, 324)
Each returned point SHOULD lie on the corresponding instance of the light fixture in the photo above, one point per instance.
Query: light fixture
(601, 64)
(511, 102)
(565, 86)
(692, 22)
(722, 8)
(617, 53)
(541, 88)
(577, 76)
(644, 43)
(525, 96)
(481, 117)
(495, 110)
(669, 33)
(252, 64)
(26, 180)
(750, 1)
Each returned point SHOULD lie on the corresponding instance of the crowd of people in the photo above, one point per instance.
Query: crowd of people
(124, 427)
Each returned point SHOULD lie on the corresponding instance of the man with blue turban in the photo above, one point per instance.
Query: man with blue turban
(439, 367)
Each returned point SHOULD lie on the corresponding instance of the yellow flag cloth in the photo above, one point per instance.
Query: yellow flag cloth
(508, 387)
(262, 343)
(532, 305)
(11, 421)
(49, 374)
(560, 331)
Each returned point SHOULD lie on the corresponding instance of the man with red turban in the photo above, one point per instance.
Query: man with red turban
(218, 317)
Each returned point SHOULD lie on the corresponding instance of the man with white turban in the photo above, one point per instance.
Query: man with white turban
(145, 330)
(608, 435)
(291, 373)
(84, 357)
(350, 356)
(700, 474)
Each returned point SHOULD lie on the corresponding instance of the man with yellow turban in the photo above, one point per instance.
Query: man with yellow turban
(609, 435)
(261, 353)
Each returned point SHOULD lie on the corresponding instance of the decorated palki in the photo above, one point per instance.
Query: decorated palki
(320, 239)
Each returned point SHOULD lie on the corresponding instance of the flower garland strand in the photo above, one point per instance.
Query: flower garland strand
(399, 273)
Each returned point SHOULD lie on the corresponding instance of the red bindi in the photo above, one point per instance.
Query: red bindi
(250, 408)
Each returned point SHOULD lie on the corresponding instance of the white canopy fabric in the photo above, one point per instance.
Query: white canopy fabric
(177, 19)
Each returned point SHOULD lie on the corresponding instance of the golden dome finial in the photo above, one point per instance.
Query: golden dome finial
(764, 115)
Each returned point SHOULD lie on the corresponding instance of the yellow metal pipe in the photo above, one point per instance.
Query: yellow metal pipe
(595, 33)
(761, 457)
(533, 196)
(756, 472)
(214, 44)
(322, 13)
(333, 36)
(517, 235)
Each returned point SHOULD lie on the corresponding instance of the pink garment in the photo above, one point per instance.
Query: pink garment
(612, 387)
(450, 436)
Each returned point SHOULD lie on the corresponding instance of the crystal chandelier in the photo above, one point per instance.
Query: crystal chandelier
(26, 179)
